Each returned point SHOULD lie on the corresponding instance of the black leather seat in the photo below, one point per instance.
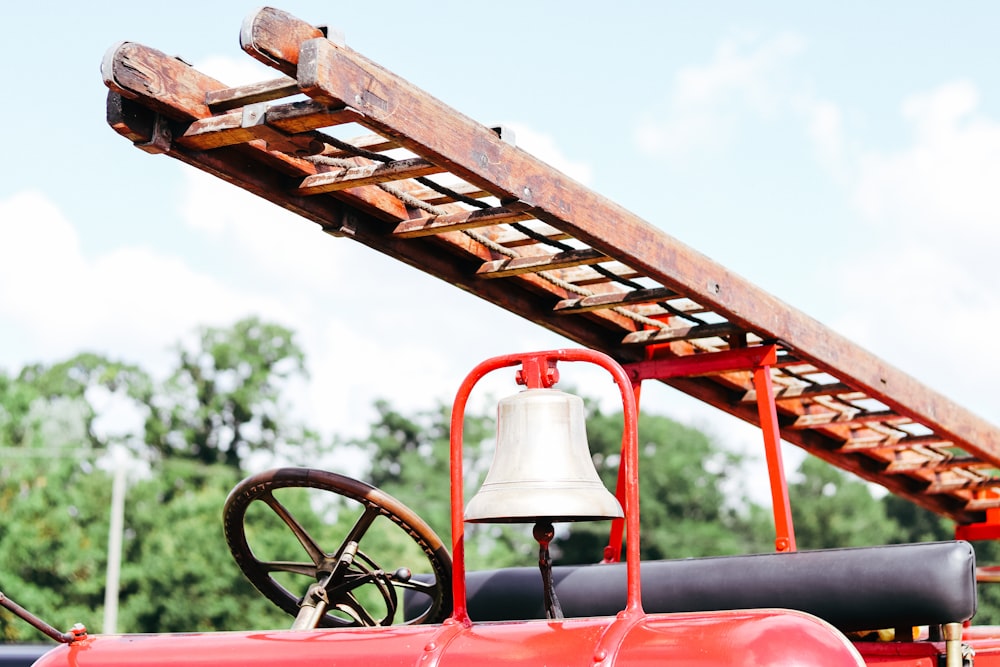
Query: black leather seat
(863, 588)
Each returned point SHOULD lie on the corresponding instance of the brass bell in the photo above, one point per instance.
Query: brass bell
(542, 469)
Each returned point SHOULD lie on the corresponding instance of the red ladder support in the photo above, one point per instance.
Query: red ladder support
(759, 360)
(985, 530)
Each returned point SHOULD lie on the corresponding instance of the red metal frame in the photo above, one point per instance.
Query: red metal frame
(759, 360)
(985, 530)
(538, 371)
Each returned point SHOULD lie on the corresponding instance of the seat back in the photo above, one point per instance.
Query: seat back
(863, 588)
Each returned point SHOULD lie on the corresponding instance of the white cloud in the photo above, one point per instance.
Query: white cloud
(544, 147)
(914, 271)
(235, 71)
(941, 189)
(927, 312)
(270, 239)
(705, 101)
(39, 252)
(131, 302)
(824, 125)
(923, 290)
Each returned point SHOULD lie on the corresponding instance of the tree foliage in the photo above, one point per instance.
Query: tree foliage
(410, 460)
(223, 401)
(688, 501)
(223, 407)
(830, 509)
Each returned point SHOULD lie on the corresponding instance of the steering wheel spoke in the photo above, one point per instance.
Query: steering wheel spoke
(359, 590)
(304, 569)
(300, 533)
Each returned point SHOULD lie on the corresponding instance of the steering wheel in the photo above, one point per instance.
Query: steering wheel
(347, 586)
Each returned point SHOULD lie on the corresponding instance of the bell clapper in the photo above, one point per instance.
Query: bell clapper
(543, 533)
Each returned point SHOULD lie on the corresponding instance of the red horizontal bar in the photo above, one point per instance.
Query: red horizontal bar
(977, 531)
(711, 363)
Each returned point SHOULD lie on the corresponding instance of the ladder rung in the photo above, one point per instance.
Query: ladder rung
(451, 222)
(849, 417)
(259, 122)
(801, 391)
(962, 485)
(586, 276)
(967, 462)
(820, 419)
(368, 174)
(982, 504)
(503, 268)
(888, 442)
(374, 143)
(435, 198)
(651, 336)
(252, 93)
(613, 300)
(298, 117)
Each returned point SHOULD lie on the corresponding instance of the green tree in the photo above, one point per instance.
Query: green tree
(178, 574)
(689, 502)
(831, 509)
(53, 532)
(410, 460)
(53, 502)
(16, 399)
(42, 402)
(223, 401)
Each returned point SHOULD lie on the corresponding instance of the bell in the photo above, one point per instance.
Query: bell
(542, 469)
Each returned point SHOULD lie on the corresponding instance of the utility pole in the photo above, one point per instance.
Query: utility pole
(115, 546)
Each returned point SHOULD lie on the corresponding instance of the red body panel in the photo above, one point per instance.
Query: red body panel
(759, 637)
(983, 641)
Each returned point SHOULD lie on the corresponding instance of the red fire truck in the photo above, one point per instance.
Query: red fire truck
(424, 184)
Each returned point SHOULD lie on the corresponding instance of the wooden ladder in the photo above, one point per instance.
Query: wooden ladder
(368, 156)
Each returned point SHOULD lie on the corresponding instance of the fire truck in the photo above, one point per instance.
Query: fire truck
(370, 158)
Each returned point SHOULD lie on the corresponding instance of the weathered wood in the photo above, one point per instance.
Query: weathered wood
(252, 93)
(235, 128)
(978, 506)
(513, 238)
(515, 266)
(306, 115)
(474, 153)
(964, 485)
(671, 334)
(803, 391)
(369, 174)
(614, 300)
(818, 444)
(481, 217)
(586, 277)
(164, 84)
(436, 198)
(849, 417)
(967, 462)
(158, 98)
(272, 36)
(278, 125)
(884, 443)
(371, 142)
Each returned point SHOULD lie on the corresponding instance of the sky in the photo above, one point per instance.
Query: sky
(844, 157)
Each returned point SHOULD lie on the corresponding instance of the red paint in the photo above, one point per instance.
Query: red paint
(760, 638)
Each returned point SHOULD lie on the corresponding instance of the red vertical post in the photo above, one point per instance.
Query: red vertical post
(768, 412)
(613, 552)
